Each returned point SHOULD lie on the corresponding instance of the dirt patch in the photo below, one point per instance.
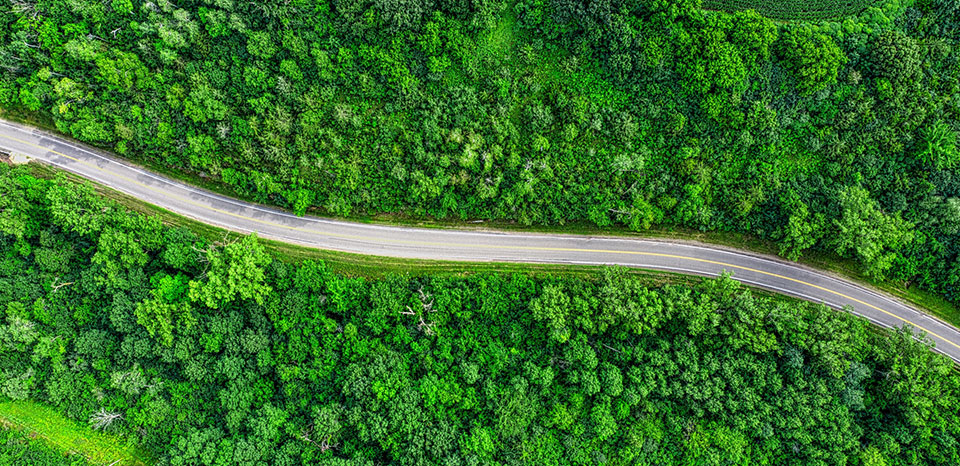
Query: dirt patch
(13, 158)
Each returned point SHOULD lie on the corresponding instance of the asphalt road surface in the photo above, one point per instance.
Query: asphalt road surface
(417, 243)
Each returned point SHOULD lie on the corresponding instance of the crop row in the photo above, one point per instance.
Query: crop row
(793, 9)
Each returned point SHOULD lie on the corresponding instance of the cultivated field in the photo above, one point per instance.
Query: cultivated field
(792, 9)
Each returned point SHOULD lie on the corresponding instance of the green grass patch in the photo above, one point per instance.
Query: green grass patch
(17, 448)
(794, 9)
(37, 421)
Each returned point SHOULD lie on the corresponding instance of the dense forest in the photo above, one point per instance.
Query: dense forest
(840, 135)
(216, 353)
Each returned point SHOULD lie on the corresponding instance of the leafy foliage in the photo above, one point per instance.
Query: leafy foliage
(482, 369)
(813, 58)
(235, 272)
(637, 114)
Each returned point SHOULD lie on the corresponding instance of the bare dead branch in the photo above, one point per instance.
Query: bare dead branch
(56, 286)
(610, 348)
(426, 304)
(103, 419)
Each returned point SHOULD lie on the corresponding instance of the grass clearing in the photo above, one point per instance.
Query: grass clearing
(37, 421)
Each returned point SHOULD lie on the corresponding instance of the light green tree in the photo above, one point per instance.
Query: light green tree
(866, 232)
(235, 272)
(939, 146)
(802, 229)
(167, 310)
(551, 307)
(813, 57)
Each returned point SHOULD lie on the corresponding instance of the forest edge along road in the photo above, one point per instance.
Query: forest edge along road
(476, 246)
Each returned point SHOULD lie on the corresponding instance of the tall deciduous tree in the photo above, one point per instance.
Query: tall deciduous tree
(813, 57)
(866, 232)
(235, 271)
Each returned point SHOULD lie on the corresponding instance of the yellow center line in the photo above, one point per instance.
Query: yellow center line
(482, 246)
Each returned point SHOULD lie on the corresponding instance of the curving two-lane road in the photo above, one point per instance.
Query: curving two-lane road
(204, 206)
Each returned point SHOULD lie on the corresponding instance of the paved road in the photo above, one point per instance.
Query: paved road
(697, 259)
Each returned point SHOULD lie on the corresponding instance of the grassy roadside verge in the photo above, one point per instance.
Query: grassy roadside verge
(359, 264)
(37, 421)
(362, 265)
(372, 266)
